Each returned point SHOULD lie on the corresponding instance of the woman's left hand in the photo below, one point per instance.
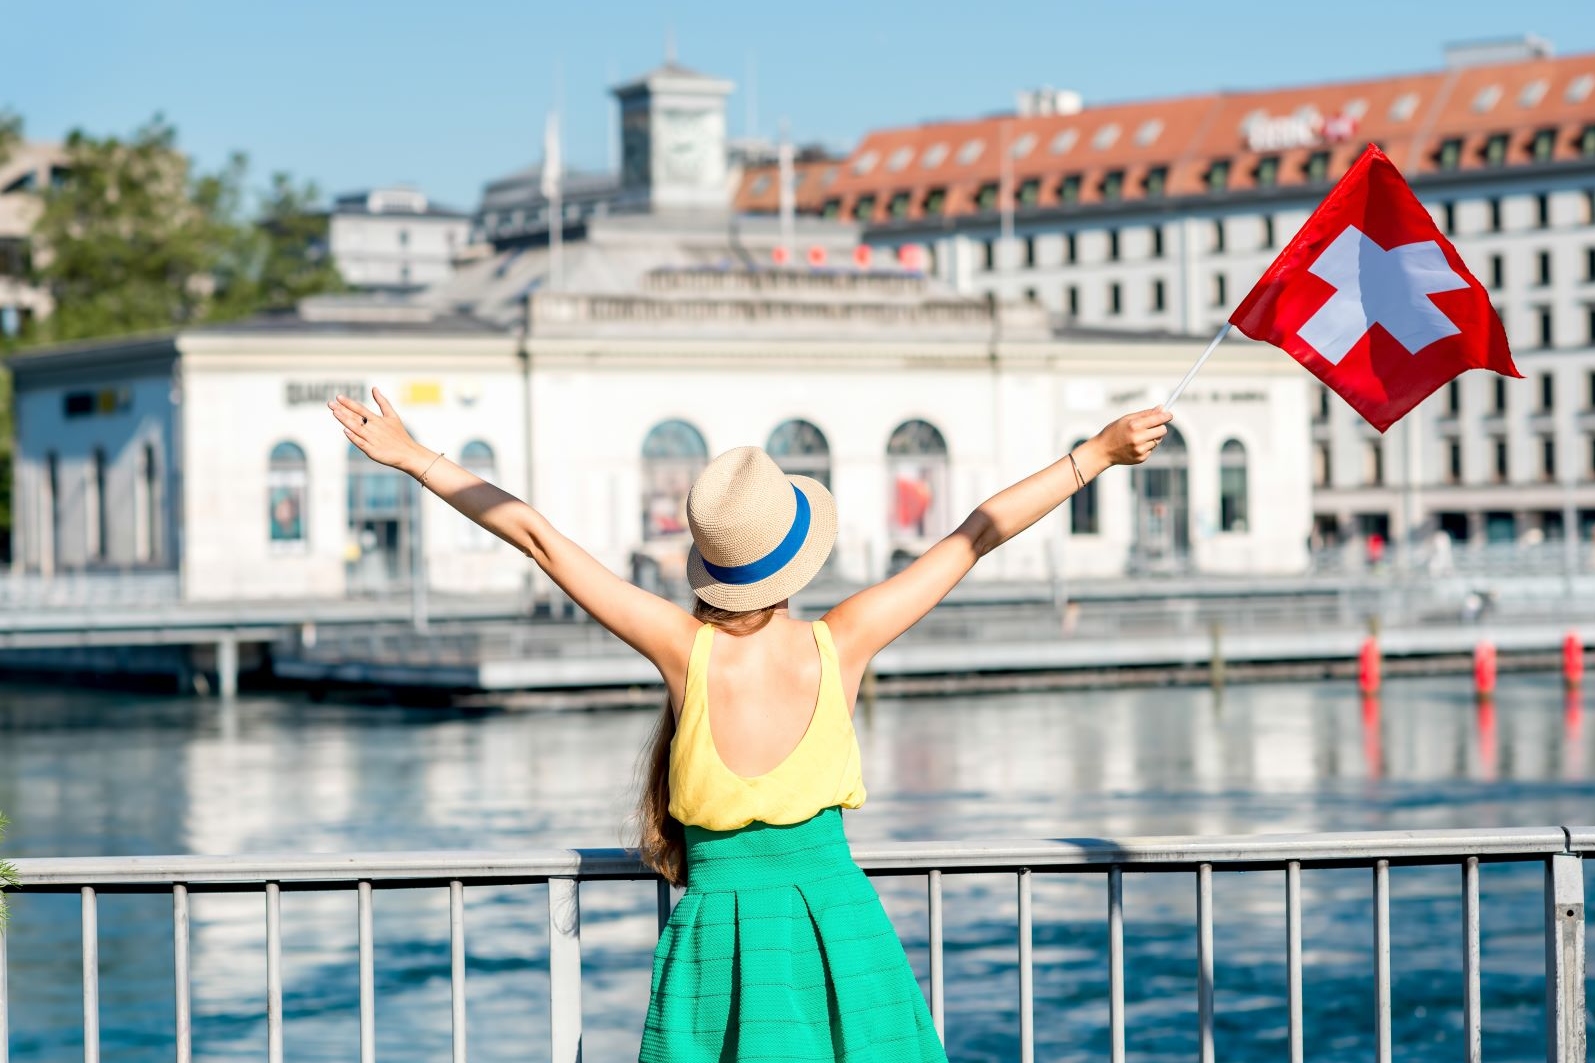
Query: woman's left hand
(382, 437)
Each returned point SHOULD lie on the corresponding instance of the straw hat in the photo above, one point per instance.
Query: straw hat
(758, 535)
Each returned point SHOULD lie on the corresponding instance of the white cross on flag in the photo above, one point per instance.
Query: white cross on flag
(1372, 298)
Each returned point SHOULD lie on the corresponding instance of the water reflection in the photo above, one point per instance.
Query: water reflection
(85, 774)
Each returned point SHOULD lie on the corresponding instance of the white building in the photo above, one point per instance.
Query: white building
(394, 239)
(1160, 215)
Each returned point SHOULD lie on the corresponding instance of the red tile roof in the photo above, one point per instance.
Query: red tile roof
(760, 190)
(1178, 140)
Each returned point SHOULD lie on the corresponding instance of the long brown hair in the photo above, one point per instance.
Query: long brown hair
(661, 840)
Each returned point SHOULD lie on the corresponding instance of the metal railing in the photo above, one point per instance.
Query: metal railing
(1559, 849)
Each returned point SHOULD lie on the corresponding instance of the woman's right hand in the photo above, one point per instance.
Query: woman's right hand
(1131, 439)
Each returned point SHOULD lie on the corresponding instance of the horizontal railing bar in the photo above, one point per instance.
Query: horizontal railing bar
(438, 868)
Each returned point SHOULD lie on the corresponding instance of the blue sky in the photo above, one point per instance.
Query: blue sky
(447, 96)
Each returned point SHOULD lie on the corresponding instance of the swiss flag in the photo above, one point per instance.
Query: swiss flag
(1372, 298)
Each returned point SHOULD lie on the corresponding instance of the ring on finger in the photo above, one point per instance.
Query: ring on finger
(363, 420)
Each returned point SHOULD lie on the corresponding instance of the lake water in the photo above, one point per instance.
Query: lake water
(98, 773)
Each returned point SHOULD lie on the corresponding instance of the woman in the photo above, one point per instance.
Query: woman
(779, 948)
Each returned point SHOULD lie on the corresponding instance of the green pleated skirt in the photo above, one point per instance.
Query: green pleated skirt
(779, 950)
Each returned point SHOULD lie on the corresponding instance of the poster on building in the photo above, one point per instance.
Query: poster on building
(287, 506)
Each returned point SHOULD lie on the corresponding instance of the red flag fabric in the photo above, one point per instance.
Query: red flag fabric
(1372, 298)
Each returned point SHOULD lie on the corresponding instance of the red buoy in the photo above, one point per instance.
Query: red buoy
(1368, 666)
(1572, 660)
(1484, 669)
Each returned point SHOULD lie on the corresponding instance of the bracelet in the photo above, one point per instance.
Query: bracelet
(1078, 478)
(431, 463)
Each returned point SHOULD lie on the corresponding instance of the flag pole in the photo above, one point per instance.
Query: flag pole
(1180, 387)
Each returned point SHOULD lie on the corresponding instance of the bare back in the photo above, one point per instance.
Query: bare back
(763, 689)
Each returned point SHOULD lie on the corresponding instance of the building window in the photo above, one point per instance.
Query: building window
(1589, 313)
(988, 255)
(1589, 263)
(146, 502)
(404, 237)
(1495, 150)
(916, 458)
(1156, 183)
(1232, 486)
(1157, 295)
(1448, 212)
(1267, 172)
(832, 209)
(1069, 189)
(94, 500)
(935, 201)
(1030, 192)
(1495, 215)
(51, 505)
(1323, 470)
(1317, 168)
(1547, 458)
(1449, 157)
(1218, 176)
(1218, 236)
(1542, 272)
(1453, 466)
(1321, 406)
(1453, 398)
(1497, 272)
(897, 206)
(1113, 185)
(1071, 248)
(287, 479)
(1030, 252)
(1543, 145)
(1543, 313)
(801, 449)
(1072, 299)
(673, 454)
(1542, 211)
(1157, 241)
(864, 208)
(1547, 392)
(1113, 245)
(1083, 519)
(1220, 292)
(1502, 466)
(1498, 403)
(1115, 298)
(1268, 232)
(1589, 397)
(1373, 463)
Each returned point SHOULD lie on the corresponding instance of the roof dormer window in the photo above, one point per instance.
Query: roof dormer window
(1486, 99)
(934, 156)
(1449, 157)
(1023, 146)
(1532, 93)
(1106, 137)
(1030, 192)
(1113, 185)
(1317, 168)
(970, 151)
(1544, 145)
(1267, 172)
(1156, 183)
(866, 162)
(864, 208)
(899, 158)
(1405, 107)
(935, 201)
(1064, 142)
(897, 206)
(1148, 133)
(1495, 150)
(1069, 189)
(986, 196)
(1218, 175)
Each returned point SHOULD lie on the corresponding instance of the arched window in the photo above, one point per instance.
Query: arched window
(1162, 510)
(916, 463)
(286, 478)
(377, 553)
(801, 450)
(476, 457)
(673, 455)
(1083, 518)
(1232, 486)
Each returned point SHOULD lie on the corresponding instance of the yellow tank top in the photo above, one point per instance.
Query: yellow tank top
(823, 770)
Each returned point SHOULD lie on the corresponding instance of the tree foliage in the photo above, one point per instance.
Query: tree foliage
(135, 240)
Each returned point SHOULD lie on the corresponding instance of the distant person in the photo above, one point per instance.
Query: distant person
(779, 948)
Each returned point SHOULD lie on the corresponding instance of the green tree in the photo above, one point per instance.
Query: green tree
(8, 877)
(10, 133)
(133, 241)
(295, 260)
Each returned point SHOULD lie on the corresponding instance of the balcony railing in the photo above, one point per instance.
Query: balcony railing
(1558, 849)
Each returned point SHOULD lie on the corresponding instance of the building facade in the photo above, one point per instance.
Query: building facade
(31, 168)
(911, 403)
(1161, 214)
(394, 239)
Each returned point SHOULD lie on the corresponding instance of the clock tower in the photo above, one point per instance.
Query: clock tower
(673, 141)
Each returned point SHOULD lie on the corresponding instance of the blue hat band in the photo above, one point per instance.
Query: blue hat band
(775, 560)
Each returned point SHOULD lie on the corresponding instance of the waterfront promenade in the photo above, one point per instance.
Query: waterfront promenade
(1523, 602)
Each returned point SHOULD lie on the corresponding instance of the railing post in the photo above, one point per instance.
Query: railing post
(565, 970)
(183, 1019)
(933, 901)
(91, 977)
(1565, 1034)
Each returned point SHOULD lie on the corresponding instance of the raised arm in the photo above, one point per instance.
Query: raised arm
(868, 621)
(658, 629)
